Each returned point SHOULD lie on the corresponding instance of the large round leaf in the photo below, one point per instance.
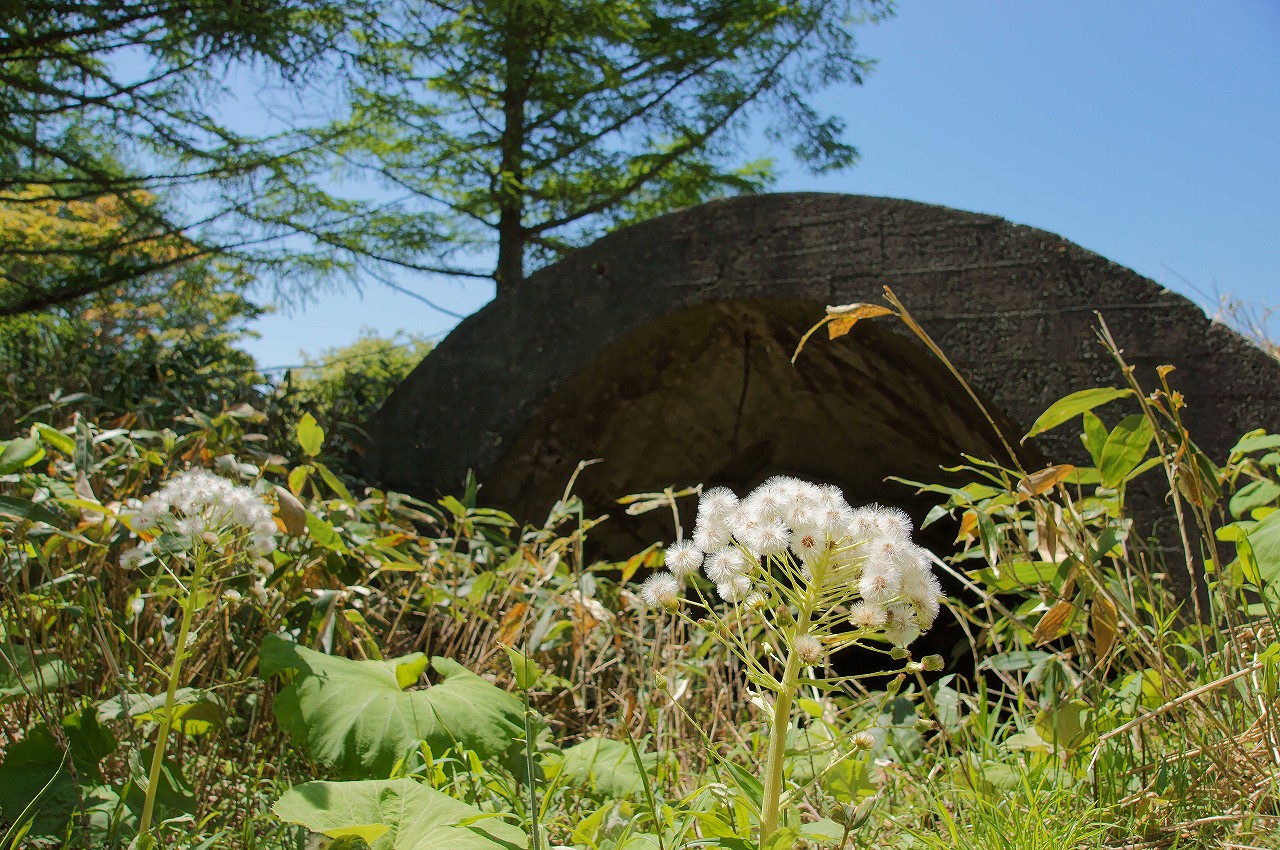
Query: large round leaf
(396, 814)
(356, 716)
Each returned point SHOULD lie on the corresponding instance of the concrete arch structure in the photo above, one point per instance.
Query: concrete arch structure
(663, 349)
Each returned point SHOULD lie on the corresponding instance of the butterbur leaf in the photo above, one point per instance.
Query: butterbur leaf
(1255, 441)
(1255, 494)
(1066, 409)
(395, 814)
(605, 766)
(356, 716)
(1264, 543)
(27, 670)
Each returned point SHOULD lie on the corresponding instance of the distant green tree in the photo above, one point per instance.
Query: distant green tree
(149, 347)
(342, 388)
(531, 125)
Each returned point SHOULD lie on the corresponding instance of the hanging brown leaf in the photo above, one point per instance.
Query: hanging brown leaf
(292, 513)
(1054, 622)
(1103, 621)
(512, 625)
(840, 320)
(1044, 480)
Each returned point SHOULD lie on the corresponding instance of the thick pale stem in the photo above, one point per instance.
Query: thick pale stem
(166, 719)
(769, 810)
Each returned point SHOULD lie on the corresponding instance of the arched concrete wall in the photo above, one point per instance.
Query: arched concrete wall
(663, 349)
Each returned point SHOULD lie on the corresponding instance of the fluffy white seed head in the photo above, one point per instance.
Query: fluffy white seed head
(713, 535)
(768, 539)
(718, 503)
(893, 524)
(808, 648)
(684, 559)
(864, 615)
(903, 625)
(736, 589)
(880, 583)
(198, 502)
(661, 590)
(809, 545)
(725, 565)
(130, 558)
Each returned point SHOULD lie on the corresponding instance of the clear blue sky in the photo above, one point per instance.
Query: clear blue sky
(1145, 130)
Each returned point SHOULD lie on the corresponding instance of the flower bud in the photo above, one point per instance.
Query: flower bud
(924, 724)
(932, 663)
(660, 679)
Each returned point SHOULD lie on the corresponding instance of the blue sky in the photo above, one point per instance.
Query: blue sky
(1145, 130)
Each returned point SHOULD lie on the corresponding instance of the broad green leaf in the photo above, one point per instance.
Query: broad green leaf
(1264, 541)
(605, 766)
(1093, 434)
(323, 533)
(847, 780)
(1021, 659)
(310, 435)
(1125, 449)
(1255, 494)
(38, 766)
(20, 453)
(1256, 441)
(29, 766)
(298, 477)
(525, 669)
(1066, 409)
(1067, 725)
(195, 718)
(26, 670)
(339, 489)
(356, 717)
(395, 814)
(57, 439)
(19, 508)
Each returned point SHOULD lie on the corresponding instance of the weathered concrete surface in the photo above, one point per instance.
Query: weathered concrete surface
(663, 349)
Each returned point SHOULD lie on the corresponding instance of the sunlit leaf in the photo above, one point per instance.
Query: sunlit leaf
(1125, 448)
(1066, 409)
(357, 717)
(395, 814)
(310, 435)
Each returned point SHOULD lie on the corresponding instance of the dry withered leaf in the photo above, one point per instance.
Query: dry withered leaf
(1044, 480)
(1103, 622)
(1053, 622)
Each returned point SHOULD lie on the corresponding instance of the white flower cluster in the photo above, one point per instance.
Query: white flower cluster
(199, 502)
(809, 533)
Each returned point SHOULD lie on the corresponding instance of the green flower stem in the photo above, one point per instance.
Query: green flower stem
(166, 721)
(778, 733)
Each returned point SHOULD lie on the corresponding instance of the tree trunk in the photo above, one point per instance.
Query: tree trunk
(510, 183)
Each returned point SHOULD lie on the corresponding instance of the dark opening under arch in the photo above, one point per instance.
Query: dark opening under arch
(633, 350)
